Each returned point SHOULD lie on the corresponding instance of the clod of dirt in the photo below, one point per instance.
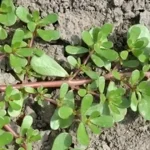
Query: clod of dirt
(118, 2)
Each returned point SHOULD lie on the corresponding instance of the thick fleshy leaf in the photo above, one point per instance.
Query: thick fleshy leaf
(103, 121)
(134, 102)
(23, 14)
(5, 138)
(86, 103)
(63, 90)
(25, 52)
(26, 124)
(8, 19)
(72, 61)
(144, 107)
(144, 88)
(124, 55)
(54, 122)
(18, 36)
(119, 117)
(64, 112)
(94, 128)
(131, 63)
(47, 66)
(87, 38)
(108, 54)
(3, 33)
(135, 76)
(101, 84)
(82, 135)
(82, 92)
(62, 142)
(16, 61)
(116, 74)
(51, 18)
(97, 60)
(76, 50)
(31, 26)
(48, 35)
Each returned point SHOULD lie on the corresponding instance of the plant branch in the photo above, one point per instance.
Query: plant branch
(51, 100)
(15, 135)
(2, 56)
(47, 84)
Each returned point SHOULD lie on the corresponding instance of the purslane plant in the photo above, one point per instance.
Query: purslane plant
(96, 91)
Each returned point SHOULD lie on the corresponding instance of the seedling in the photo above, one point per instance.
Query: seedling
(88, 99)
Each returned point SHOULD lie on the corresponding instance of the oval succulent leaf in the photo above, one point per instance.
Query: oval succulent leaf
(23, 14)
(47, 66)
(76, 50)
(82, 135)
(64, 112)
(48, 35)
(62, 142)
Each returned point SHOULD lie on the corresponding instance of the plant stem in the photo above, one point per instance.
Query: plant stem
(15, 135)
(51, 100)
(51, 84)
(84, 63)
(2, 56)
(71, 83)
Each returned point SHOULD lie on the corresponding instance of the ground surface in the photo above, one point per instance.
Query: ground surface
(75, 16)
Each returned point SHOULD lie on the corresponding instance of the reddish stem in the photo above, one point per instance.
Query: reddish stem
(51, 84)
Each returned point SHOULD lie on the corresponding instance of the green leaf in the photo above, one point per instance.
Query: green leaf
(23, 14)
(124, 55)
(18, 36)
(94, 128)
(86, 103)
(131, 63)
(144, 88)
(64, 112)
(36, 15)
(119, 117)
(72, 61)
(97, 60)
(103, 121)
(17, 61)
(25, 52)
(81, 92)
(135, 76)
(144, 107)
(49, 19)
(47, 66)
(38, 52)
(76, 50)
(31, 26)
(63, 90)
(26, 124)
(15, 105)
(82, 135)
(3, 34)
(108, 54)
(101, 84)
(134, 32)
(8, 19)
(86, 36)
(107, 44)
(107, 28)
(30, 90)
(48, 35)
(116, 74)
(54, 122)
(62, 142)
(5, 139)
(7, 48)
(93, 75)
(134, 102)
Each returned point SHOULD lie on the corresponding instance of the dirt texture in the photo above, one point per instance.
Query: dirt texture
(74, 17)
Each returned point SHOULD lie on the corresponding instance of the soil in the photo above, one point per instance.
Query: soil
(74, 17)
